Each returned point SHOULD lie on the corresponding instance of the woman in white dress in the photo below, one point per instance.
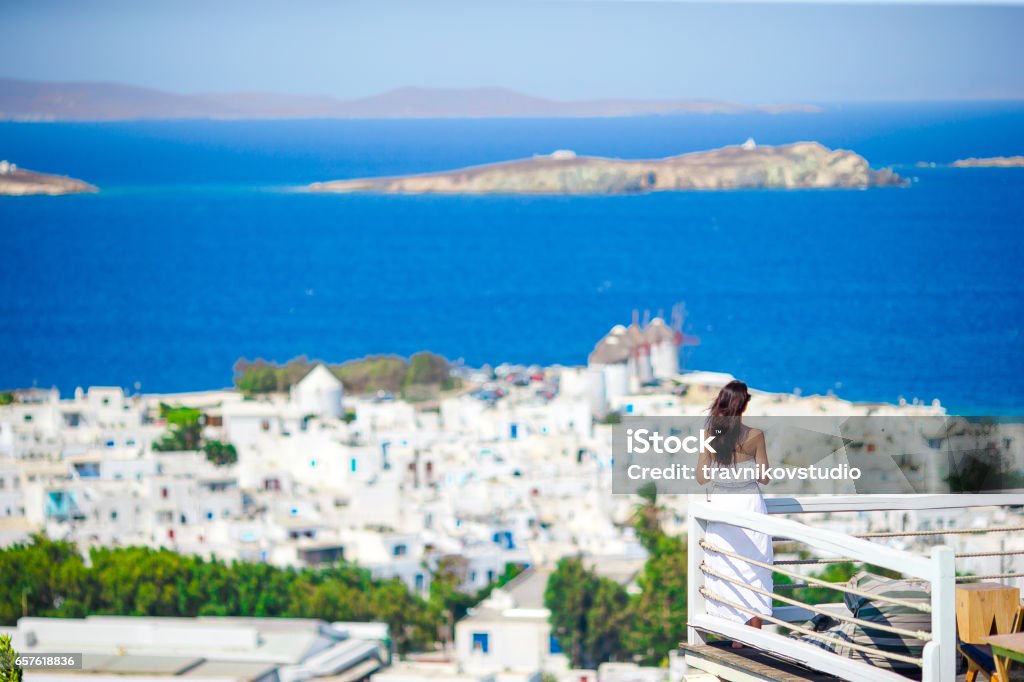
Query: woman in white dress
(737, 447)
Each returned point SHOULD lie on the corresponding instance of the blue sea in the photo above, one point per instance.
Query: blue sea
(199, 250)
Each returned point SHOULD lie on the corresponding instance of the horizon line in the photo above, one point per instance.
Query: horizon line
(801, 102)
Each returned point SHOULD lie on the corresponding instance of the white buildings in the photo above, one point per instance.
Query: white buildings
(394, 489)
(123, 649)
(516, 471)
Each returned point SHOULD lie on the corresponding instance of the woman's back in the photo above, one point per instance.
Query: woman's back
(733, 471)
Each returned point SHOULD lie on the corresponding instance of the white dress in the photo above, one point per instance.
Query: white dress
(743, 494)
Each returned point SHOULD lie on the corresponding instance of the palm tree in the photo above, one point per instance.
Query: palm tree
(646, 517)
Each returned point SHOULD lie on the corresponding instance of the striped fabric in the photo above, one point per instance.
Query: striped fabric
(886, 613)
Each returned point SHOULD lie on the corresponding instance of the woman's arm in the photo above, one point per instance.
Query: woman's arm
(703, 461)
(761, 456)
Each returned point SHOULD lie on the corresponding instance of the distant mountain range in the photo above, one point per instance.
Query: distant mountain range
(44, 101)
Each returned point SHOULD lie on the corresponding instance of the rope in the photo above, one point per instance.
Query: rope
(961, 555)
(817, 635)
(918, 634)
(968, 578)
(954, 531)
(802, 562)
(820, 583)
(975, 554)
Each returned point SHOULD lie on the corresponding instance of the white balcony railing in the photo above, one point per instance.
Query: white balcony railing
(938, 660)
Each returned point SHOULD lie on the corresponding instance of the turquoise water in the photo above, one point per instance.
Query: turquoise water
(199, 250)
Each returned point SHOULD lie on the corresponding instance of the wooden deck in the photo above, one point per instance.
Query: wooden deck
(747, 664)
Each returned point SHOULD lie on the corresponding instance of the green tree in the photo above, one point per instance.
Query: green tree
(607, 622)
(371, 374)
(566, 596)
(448, 603)
(220, 454)
(588, 613)
(426, 369)
(658, 612)
(6, 398)
(43, 577)
(411, 627)
(53, 580)
(512, 571)
(10, 671)
(647, 515)
(184, 428)
(256, 377)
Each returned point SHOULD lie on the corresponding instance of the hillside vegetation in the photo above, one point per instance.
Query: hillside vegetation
(420, 377)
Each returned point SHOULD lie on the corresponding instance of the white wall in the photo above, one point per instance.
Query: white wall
(518, 644)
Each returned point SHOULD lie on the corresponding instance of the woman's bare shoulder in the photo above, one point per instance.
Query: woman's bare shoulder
(754, 436)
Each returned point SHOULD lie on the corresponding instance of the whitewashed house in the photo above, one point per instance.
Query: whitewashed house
(373, 415)
(319, 393)
(250, 422)
(12, 499)
(110, 408)
(510, 630)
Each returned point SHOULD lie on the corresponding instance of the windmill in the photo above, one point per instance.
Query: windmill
(678, 318)
(641, 370)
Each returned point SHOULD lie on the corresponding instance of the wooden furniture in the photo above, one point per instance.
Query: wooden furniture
(982, 658)
(1006, 648)
(985, 609)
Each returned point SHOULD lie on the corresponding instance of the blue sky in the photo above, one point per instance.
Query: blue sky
(759, 52)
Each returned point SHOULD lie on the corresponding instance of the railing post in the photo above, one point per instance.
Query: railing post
(940, 665)
(694, 576)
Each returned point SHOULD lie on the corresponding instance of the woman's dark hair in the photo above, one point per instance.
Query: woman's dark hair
(724, 420)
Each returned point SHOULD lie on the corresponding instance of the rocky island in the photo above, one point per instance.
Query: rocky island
(802, 165)
(17, 182)
(990, 162)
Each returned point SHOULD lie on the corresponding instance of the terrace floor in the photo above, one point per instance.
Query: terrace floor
(747, 664)
(719, 660)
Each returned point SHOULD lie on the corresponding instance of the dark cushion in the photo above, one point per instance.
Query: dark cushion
(877, 611)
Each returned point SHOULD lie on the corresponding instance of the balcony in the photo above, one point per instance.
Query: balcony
(772, 655)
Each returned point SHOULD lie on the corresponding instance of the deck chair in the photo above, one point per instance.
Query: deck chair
(979, 656)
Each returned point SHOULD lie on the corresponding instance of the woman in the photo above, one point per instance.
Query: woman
(732, 471)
